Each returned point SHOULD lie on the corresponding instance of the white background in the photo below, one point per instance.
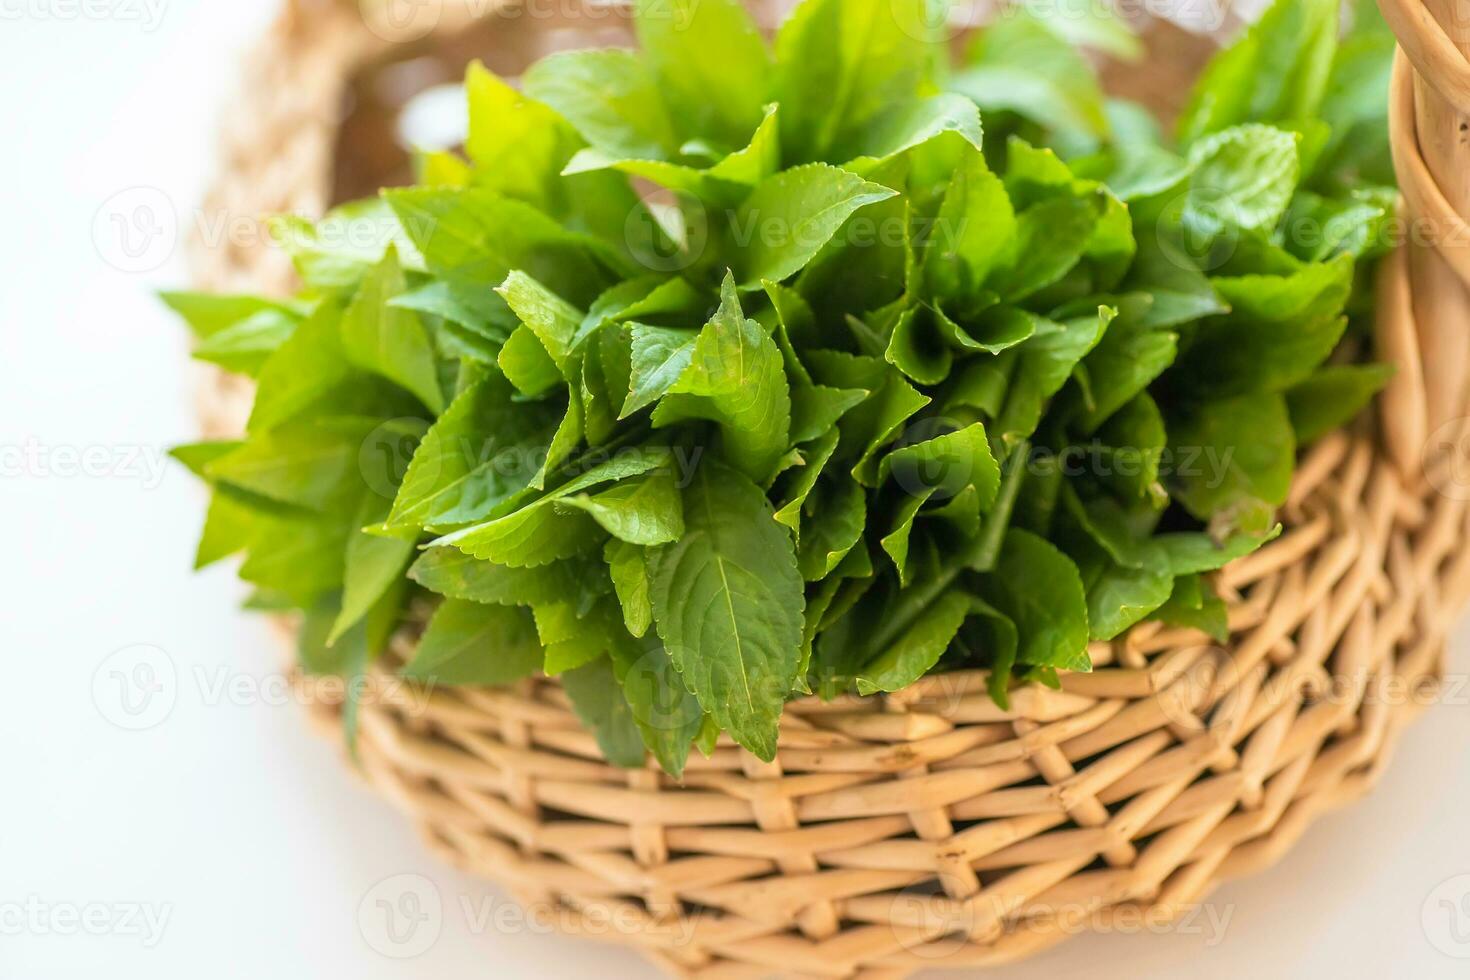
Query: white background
(227, 817)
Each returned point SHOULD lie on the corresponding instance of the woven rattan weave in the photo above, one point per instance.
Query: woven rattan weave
(931, 827)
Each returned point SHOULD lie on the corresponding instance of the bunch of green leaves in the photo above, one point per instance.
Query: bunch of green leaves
(720, 373)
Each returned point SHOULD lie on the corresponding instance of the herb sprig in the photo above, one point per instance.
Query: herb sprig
(854, 396)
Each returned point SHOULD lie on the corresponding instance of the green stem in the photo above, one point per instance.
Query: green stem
(987, 548)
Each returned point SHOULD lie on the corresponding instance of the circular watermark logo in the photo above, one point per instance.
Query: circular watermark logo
(401, 916)
(657, 697)
(1446, 917)
(136, 230)
(385, 453)
(937, 928)
(934, 21)
(1447, 459)
(667, 237)
(1199, 229)
(937, 471)
(136, 687)
(400, 21)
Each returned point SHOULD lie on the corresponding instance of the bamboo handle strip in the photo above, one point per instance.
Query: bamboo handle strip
(1423, 315)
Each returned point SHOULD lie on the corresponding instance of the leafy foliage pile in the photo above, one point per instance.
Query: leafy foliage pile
(849, 398)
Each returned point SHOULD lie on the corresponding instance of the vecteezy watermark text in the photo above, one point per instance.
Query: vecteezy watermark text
(137, 688)
(404, 915)
(147, 14)
(35, 916)
(30, 457)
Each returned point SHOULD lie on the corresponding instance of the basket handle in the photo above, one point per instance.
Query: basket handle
(1423, 315)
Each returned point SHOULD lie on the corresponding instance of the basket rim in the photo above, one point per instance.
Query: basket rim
(1143, 784)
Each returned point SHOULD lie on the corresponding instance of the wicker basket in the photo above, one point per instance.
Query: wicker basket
(931, 827)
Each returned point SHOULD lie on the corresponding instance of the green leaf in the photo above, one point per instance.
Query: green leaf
(1242, 178)
(1233, 460)
(481, 453)
(667, 716)
(840, 63)
(1130, 447)
(1124, 534)
(473, 238)
(1180, 291)
(727, 601)
(704, 184)
(538, 533)
(373, 566)
(1043, 365)
(336, 252)
(711, 65)
(1051, 238)
(1355, 105)
(758, 159)
(876, 422)
(833, 521)
(298, 556)
(1194, 605)
(1038, 588)
(1088, 25)
(1145, 169)
(208, 313)
(550, 318)
(461, 310)
(1190, 552)
(1279, 329)
(307, 365)
(1127, 359)
(196, 456)
(644, 510)
(1277, 72)
(660, 357)
(722, 185)
(799, 486)
(646, 296)
(457, 575)
(974, 232)
(245, 346)
(476, 643)
(229, 527)
(1002, 642)
(917, 349)
(1332, 397)
(575, 636)
(630, 580)
(388, 340)
(606, 376)
(610, 97)
(311, 462)
(918, 649)
(815, 409)
(1019, 65)
(568, 436)
(736, 379)
(599, 702)
(910, 124)
(1118, 597)
(896, 542)
(789, 217)
(517, 144)
(945, 465)
(526, 364)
